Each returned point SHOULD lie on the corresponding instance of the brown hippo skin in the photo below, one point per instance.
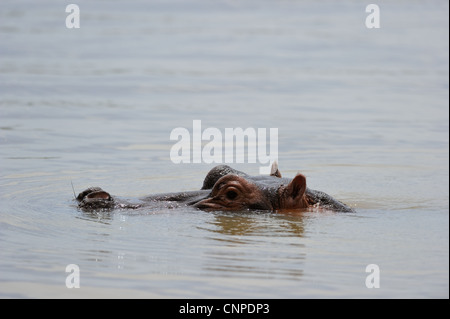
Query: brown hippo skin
(227, 189)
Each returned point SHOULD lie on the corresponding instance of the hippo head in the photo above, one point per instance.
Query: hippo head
(234, 190)
(225, 188)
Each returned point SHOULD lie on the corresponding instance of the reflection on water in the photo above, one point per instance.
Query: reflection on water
(99, 216)
(257, 224)
(277, 236)
(258, 245)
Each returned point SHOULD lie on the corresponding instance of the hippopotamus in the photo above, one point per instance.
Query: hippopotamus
(227, 189)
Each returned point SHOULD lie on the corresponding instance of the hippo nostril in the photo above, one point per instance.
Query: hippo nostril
(97, 200)
(99, 195)
(87, 192)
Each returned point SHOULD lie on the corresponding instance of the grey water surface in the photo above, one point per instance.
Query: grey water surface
(363, 113)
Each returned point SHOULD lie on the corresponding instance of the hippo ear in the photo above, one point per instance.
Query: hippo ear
(297, 187)
(274, 170)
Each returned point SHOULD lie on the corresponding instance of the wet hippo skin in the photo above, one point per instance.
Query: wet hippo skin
(225, 188)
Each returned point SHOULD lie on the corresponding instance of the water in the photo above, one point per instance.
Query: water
(362, 113)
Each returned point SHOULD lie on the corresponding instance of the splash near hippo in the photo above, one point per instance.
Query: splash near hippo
(227, 189)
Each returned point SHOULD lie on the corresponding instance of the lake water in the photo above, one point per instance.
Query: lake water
(363, 113)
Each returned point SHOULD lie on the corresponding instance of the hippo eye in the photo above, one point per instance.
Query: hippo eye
(231, 195)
